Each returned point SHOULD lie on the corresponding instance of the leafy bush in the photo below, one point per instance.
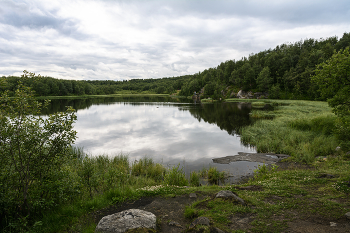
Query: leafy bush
(175, 176)
(215, 176)
(147, 167)
(33, 150)
(194, 179)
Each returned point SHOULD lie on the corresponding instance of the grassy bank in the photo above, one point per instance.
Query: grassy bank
(279, 198)
(86, 184)
(302, 129)
(297, 197)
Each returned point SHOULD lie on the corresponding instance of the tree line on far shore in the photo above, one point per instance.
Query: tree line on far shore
(285, 72)
(48, 86)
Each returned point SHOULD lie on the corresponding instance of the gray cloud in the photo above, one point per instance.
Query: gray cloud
(153, 39)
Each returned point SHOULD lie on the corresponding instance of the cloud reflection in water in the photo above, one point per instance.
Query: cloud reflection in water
(168, 133)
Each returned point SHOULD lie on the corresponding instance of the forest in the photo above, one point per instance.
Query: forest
(284, 72)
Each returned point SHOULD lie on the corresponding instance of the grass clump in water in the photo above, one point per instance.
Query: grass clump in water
(215, 176)
(175, 176)
(147, 167)
(194, 179)
(302, 129)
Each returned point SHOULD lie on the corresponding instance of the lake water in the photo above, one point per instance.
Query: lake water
(169, 130)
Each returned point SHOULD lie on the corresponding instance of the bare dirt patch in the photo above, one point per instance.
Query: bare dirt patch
(171, 219)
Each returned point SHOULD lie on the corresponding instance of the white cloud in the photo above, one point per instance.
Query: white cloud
(117, 40)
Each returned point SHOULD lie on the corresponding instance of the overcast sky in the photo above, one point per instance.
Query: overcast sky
(116, 40)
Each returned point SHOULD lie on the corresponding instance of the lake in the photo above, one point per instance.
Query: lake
(171, 131)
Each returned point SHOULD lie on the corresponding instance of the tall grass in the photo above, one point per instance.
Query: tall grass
(302, 129)
(91, 183)
(175, 176)
(148, 168)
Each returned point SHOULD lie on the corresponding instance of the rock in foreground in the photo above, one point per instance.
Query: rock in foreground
(125, 220)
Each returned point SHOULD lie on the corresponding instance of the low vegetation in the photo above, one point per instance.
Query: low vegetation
(282, 196)
(48, 186)
(303, 129)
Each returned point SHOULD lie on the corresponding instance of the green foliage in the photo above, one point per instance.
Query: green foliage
(264, 79)
(88, 175)
(343, 186)
(285, 72)
(147, 167)
(323, 124)
(275, 92)
(190, 212)
(215, 176)
(175, 176)
(333, 78)
(210, 89)
(302, 129)
(194, 178)
(33, 150)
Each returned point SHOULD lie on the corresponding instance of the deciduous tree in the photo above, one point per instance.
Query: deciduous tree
(32, 148)
(333, 79)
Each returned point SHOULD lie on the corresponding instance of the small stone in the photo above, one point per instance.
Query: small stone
(193, 195)
(333, 224)
(228, 194)
(338, 148)
(200, 221)
(224, 194)
(174, 224)
(347, 215)
(243, 221)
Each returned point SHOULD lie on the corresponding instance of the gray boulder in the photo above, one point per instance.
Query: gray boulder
(193, 195)
(347, 215)
(242, 94)
(125, 220)
(229, 194)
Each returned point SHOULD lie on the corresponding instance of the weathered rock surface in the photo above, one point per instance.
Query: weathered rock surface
(347, 215)
(229, 194)
(268, 158)
(200, 221)
(125, 220)
(250, 95)
(174, 224)
(193, 195)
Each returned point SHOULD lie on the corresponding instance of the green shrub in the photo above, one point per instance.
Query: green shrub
(194, 179)
(175, 176)
(147, 167)
(190, 212)
(33, 150)
(215, 176)
(87, 173)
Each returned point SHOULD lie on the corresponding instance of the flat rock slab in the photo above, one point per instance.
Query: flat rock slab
(267, 158)
(125, 220)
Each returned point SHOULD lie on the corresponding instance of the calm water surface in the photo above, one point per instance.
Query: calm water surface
(171, 131)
